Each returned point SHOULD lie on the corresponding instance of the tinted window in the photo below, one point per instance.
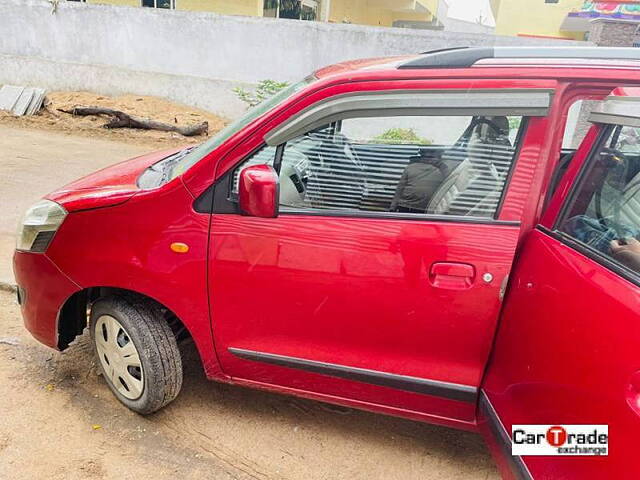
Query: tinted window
(420, 165)
(605, 214)
(453, 165)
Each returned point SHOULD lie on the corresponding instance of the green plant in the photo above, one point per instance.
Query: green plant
(402, 136)
(264, 90)
(514, 123)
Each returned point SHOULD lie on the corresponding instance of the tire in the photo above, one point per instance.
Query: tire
(136, 352)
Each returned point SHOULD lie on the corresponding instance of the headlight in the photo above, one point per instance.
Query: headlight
(39, 225)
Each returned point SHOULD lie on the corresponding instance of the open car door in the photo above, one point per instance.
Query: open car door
(377, 284)
(566, 354)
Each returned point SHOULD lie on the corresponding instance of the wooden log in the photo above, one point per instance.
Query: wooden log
(120, 119)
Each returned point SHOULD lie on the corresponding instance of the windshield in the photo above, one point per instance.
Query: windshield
(218, 139)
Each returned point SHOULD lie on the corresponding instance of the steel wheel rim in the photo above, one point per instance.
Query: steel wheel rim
(119, 357)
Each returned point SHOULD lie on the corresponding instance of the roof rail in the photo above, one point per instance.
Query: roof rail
(462, 57)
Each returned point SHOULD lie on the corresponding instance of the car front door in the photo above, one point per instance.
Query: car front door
(567, 348)
(380, 280)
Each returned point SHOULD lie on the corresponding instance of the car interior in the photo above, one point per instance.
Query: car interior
(324, 169)
(608, 201)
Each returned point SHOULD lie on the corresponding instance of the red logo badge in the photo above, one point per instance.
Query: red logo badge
(556, 436)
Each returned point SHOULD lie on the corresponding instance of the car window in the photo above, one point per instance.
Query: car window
(196, 154)
(577, 125)
(439, 165)
(264, 156)
(605, 214)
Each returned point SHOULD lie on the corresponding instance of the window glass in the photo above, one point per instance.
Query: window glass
(578, 124)
(264, 156)
(157, 3)
(223, 135)
(447, 165)
(270, 8)
(605, 214)
(420, 165)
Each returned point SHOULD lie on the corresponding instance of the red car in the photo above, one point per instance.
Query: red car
(425, 236)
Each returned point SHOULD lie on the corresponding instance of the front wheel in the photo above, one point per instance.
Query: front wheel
(137, 352)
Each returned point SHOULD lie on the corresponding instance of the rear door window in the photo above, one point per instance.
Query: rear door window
(604, 213)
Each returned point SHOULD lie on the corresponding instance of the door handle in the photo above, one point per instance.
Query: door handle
(451, 275)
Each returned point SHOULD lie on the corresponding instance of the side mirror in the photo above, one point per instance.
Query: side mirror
(259, 191)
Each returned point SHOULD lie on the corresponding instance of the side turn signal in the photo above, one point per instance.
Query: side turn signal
(179, 247)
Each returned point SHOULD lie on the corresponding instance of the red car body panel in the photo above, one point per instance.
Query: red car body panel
(423, 309)
(332, 301)
(107, 187)
(560, 314)
(130, 249)
(47, 289)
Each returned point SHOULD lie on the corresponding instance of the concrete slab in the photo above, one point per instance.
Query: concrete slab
(37, 101)
(9, 95)
(23, 103)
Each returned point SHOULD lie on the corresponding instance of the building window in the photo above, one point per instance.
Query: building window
(169, 4)
(551, 1)
(294, 9)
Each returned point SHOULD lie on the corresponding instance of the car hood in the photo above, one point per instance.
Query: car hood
(107, 187)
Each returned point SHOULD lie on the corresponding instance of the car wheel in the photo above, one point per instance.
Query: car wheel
(137, 352)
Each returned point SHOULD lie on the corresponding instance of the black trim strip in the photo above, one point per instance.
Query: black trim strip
(399, 216)
(452, 391)
(517, 465)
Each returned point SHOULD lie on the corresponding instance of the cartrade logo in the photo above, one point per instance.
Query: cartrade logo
(556, 436)
(560, 440)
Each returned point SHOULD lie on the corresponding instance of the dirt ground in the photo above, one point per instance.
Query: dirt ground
(58, 420)
(51, 118)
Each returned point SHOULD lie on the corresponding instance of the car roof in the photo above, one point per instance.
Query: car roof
(621, 107)
(467, 58)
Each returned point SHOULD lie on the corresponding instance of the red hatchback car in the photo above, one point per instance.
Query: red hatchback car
(420, 236)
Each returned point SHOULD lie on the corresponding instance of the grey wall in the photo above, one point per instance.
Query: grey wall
(190, 57)
(455, 25)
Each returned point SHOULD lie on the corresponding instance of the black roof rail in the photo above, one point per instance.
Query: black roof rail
(449, 49)
(462, 57)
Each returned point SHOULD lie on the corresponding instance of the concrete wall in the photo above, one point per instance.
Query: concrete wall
(190, 57)
(456, 25)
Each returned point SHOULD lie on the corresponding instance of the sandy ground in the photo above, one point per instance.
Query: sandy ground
(33, 163)
(59, 421)
(159, 109)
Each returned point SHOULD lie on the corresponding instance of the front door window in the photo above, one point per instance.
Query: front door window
(424, 165)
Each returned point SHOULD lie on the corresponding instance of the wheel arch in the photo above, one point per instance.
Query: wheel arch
(74, 314)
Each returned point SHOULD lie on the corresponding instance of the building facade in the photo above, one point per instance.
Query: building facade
(387, 13)
(568, 19)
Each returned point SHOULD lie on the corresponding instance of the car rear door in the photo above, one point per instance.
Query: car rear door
(567, 347)
(350, 296)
